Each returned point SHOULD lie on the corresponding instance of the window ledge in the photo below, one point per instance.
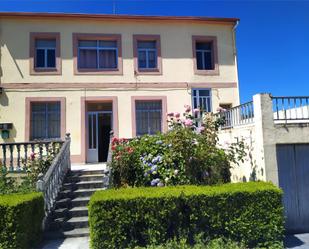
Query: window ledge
(207, 72)
(148, 71)
(98, 71)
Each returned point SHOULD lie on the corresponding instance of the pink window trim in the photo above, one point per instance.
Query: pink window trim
(155, 71)
(212, 39)
(96, 99)
(149, 98)
(107, 37)
(43, 71)
(30, 100)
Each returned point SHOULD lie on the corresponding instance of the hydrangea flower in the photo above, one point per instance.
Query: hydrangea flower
(188, 122)
(159, 142)
(160, 184)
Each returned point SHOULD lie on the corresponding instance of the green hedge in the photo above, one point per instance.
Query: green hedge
(248, 212)
(21, 218)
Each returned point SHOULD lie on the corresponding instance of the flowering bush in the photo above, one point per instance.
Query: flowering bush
(187, 154)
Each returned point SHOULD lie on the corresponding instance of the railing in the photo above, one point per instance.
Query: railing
(15, 156)
(236, 116)
(291, 108)
(51, 182)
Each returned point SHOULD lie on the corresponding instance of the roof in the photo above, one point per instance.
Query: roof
(118, 17)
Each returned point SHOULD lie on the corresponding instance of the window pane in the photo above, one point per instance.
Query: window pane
(142, 59)
(203, 45)
(208, 61)
(107, 59)
(87, 58)
(45, 43)
(109, 44)
(152, 59)
(40, 58)
(204, 93)
(199, 60)
(85, 43)
(45, 120)
(51, 58)
(148, 117)
(146, 44)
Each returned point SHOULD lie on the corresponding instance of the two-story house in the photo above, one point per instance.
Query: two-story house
(87, 74)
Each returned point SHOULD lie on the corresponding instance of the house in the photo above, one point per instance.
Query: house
(88, 73)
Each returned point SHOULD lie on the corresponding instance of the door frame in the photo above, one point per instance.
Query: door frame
(115, 122)
(96, 114)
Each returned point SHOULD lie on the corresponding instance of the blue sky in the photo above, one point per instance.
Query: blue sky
(272, 37)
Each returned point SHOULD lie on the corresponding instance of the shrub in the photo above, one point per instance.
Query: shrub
(251, 213)
(21, 220)
(188, 153)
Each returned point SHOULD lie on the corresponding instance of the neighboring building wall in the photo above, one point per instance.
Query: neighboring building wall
(261, 138)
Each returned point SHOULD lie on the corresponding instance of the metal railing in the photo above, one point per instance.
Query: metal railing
(50, 183)
(236, 116)
(291, 108)
(15, 156)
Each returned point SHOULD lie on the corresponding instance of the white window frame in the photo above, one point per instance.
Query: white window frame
(197, 97)
(147, 51)
(45, 55)
(98, 48)
(203, 51)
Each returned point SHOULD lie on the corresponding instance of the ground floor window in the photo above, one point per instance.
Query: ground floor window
(148, 116)
(201, 99)
(45, 120)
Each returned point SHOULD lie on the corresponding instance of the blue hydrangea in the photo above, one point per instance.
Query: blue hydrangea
(159, 142)
(154, 168)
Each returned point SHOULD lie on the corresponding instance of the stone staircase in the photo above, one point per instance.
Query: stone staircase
(70, 217)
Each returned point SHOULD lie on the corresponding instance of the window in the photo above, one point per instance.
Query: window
(205, 55)
(148, 116)
(201, 99)
(45, 53)
(45, 120)
(147, 54)
(97, 54)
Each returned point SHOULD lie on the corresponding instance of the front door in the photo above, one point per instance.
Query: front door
(99, 125)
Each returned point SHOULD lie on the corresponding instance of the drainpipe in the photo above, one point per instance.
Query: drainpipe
(235, 55)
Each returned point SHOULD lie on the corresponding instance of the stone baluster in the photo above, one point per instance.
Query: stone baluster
(26, 155)
(18, 156)
(41, 151)
(4, 155)
(11, 147)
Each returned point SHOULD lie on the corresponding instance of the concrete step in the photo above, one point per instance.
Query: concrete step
(78, 211)
(86, 172)
(89, 184)
(63, 203)
(78, 232)
(85, 178)
(80, 201)
(60, 213)
(77, 222)
(86, 192)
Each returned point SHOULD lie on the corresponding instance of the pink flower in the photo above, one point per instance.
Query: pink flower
(170, 114)
(177, 114)
(32, 155)
(196, 110)
(188, 122)
(220, 109)
(187, 108)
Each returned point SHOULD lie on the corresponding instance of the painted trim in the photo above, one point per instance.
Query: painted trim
(148, 71)
(29, 100)
(106, 37)
(219, 20)
(213, 40)
(149, 98)
(131, 85)
(84, 101)
(44, 71)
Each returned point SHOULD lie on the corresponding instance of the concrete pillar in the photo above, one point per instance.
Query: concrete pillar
(265, 135)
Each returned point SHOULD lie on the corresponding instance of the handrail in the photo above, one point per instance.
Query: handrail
(239, 115)
(291, 108)
(50, 183)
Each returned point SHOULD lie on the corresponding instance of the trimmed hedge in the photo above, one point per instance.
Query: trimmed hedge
(21, 220)
(248, 212)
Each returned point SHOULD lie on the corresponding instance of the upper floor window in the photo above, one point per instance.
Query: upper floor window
(205, 55)
(201, 99)
(147, 54)
(97, 53)
(45, 53)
